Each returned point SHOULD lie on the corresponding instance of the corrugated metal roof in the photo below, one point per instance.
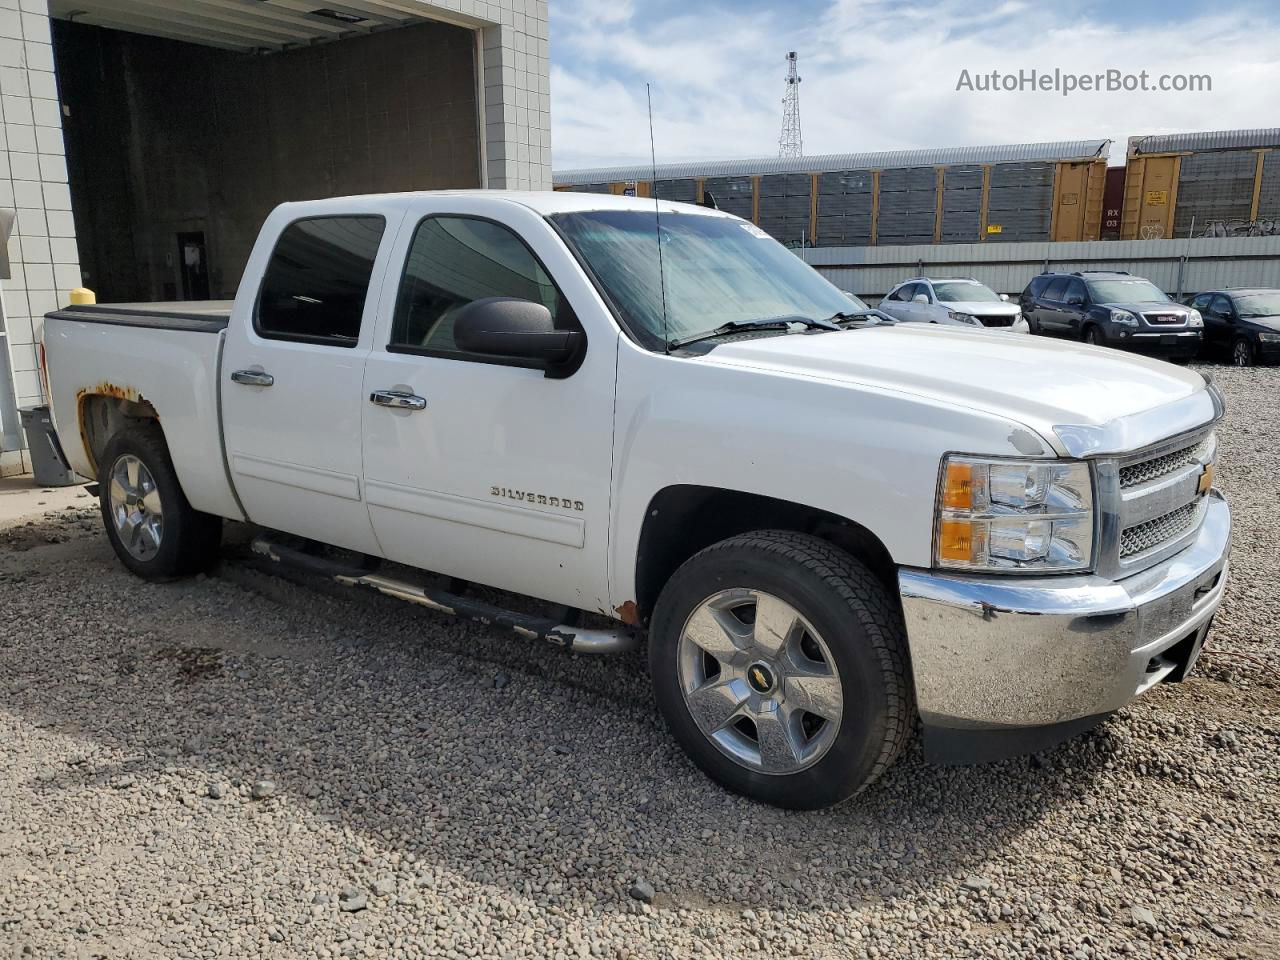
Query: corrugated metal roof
(1061, 150)
(1205, 140)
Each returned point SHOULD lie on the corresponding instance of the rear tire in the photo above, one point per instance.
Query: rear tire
(829, 705)
(154, 531)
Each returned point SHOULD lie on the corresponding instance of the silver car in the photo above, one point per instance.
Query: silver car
(960, 301)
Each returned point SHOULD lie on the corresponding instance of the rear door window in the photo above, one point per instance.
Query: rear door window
(317, 280)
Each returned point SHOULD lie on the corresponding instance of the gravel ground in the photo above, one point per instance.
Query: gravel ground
(244, 766)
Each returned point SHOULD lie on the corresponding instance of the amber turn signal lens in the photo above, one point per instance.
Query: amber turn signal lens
(956, 541)
(957, 487)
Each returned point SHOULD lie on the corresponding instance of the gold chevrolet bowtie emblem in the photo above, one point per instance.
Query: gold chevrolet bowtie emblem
(1206, 479)
(758, 676)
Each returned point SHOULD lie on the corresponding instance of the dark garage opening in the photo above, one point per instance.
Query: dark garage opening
(177, 151)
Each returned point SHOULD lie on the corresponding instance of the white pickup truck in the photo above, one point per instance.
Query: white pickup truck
(832, 528)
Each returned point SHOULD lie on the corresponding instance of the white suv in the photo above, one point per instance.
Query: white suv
(961, 301)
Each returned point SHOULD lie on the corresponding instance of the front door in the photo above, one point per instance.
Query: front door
(486, 469)
(293, 379)
(1051, 312)
(1219, 322)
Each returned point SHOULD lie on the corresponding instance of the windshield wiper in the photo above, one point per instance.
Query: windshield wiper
(766, 323)
(869, 314)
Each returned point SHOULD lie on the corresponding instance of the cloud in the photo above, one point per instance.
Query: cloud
(882, 76)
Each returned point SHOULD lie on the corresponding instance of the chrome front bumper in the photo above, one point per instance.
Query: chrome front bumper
(993, 653)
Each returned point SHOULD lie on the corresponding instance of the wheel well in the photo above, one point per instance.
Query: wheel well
(683, 519)
(102, 416)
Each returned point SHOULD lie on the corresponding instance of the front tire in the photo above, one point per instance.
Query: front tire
(1242, 353)
(1094, 336)
(154, 531)
(779, 663)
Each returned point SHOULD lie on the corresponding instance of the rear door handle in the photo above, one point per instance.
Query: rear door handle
(252, 378)
(398, 400)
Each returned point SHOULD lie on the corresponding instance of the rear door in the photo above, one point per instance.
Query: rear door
(492, 472)
(293, 374)
(1075, 307)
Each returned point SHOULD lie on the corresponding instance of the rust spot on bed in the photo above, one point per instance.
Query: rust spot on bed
(629, 613)
(106, 389)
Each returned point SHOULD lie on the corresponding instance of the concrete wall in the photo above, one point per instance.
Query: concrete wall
(166, 137)
(1176, 266)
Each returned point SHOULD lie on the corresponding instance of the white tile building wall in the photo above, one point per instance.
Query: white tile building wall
(33, 181)
(516, 138)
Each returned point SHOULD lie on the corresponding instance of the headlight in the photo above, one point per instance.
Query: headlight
(962, 317)
(1194, 319)
(1014, 516)
(1269, 337)
(1124, 317)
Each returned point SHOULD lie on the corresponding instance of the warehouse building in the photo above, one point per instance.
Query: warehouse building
(145, 140)
(1013, 193)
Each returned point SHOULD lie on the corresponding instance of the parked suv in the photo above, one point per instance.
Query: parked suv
(960, 301)
(1241, 324)
(1112, 309)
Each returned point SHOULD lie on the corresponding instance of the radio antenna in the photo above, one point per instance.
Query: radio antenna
(657, 221)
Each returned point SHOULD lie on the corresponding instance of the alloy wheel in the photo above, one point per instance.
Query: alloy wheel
(759, 681)
(136, 508)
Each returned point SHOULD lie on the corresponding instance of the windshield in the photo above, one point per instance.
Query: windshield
(960, 291)
(1258, 305)
(857, 301)
(1125, 291)
(716, 269)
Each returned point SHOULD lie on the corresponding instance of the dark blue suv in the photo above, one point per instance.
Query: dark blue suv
(1112, 309)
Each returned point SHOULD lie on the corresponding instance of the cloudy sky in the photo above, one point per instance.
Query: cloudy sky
(883, 76)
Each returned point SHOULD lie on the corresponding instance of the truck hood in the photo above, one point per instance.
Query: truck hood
(983, 308)
(1271, 323)
(1038, 382)
(1151, 306)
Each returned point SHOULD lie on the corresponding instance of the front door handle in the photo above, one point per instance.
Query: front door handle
(252, 378)
(398, 400)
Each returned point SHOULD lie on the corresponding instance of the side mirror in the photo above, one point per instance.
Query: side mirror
(1075, 300)
(1004, 297)
(520, 329)
(919, 298)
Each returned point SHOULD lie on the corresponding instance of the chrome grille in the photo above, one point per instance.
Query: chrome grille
(1145, 471)
(1165, 319)
(1156, 533)
(1152, 502)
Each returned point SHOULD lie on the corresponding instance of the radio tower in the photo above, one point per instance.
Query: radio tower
(790, 143)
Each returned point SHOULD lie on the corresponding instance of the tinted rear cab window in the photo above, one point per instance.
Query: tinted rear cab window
(317, 280)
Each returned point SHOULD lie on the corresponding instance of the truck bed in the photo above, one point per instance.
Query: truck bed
(129, 359)
(196, 316)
